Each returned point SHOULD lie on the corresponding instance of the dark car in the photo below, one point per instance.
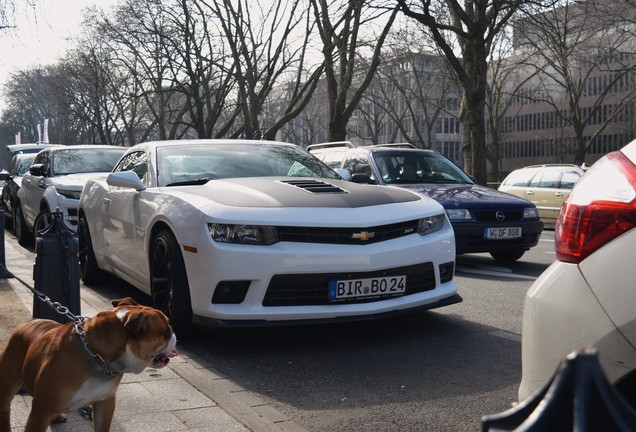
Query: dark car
(12, 178)
(484, 219)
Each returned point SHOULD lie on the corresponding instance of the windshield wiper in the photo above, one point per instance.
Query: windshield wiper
(194, 182)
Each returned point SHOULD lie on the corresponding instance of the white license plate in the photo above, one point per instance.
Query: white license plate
(367, 288)
(502, 233)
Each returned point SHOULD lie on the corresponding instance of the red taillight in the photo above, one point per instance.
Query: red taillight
(601, 207)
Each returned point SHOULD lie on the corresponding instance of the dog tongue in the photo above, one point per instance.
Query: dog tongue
(162, 360)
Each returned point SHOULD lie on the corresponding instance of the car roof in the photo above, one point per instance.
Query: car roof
(228, 142)
(30, 148)
(85, 146)
(330, 145)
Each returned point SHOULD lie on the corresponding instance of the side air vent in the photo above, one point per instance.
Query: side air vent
(315, 186)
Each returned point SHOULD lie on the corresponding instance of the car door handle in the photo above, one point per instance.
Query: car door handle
(559, 194)
(529, 193)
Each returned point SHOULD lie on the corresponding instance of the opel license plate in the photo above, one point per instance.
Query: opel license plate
(502, 233)
(351, 289)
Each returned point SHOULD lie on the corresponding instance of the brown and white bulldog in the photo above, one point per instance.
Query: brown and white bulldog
(64, 370)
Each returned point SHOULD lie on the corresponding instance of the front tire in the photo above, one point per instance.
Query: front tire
(22, 233)
(169, 287)
(42, 222)
(8, 220)
(89, 270)
(507, 256)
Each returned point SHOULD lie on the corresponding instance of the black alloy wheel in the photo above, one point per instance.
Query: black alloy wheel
(42, 222)
(169, 287)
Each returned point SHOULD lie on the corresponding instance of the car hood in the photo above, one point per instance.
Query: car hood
(297, 192)
(453, 195)
(76, 181)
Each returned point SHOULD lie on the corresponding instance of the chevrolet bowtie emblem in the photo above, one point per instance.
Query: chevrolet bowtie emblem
(363, 235)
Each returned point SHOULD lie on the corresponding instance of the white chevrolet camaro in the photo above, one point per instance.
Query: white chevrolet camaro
(248, 233)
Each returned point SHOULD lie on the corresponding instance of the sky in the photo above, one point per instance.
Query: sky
(41, 34)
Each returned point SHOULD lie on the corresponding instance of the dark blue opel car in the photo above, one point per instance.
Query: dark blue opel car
(484, 219)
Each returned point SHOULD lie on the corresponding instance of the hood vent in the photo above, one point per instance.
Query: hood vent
(315, 186)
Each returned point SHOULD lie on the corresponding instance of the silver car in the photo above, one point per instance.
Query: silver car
(587, 297)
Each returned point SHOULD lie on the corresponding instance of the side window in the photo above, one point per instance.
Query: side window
(44, 159)
(549, 179)
(520, 178)
(358, 163)
(569, 179)
(333, 159)
(136, 162)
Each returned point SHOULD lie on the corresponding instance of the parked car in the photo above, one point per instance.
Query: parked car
(484, 219)
(249, 233)
(29, 147)
(547, 186)
(54, 182)
(12, 178)
(586, 298)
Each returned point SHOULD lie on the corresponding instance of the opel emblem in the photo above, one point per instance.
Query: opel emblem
(500, 216)
(363, 235)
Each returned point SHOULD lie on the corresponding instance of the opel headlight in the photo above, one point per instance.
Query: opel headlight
(530, 213)
(430, 224)
(243, 234)
(459, 214)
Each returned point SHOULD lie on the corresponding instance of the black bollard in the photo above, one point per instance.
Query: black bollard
(578, 397)
(56, 272)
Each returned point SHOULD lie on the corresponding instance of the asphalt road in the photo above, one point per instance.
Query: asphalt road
(438, 370)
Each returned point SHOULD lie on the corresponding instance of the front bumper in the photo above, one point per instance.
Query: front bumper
(262, 268)
(469, 237)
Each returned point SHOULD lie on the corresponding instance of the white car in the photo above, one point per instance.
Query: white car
(248, 233)
(54, 182)
(587, 297)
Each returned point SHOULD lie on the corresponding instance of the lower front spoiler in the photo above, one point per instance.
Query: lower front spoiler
(238, 324)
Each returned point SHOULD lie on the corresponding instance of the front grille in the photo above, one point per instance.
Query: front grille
(491, 215)
(312, 289)
(355, 236)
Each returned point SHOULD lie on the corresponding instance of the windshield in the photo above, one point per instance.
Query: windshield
(24, 163)
(396, 167)
(87, 160)
(195, 164)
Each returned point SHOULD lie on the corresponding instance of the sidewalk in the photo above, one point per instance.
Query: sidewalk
(188, 395)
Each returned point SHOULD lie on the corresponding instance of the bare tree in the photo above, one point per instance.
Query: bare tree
(585, 57)
(262, 53)
(472, 27)
(345, 29)
(508, 77)
(418, 86)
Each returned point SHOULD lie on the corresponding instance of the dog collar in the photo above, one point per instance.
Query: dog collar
(78, 323)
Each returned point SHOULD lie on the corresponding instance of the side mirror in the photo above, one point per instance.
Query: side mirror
(361, 178)
(37, 170)
(125, 179)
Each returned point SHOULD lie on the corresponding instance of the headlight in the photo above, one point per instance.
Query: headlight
(459, 214)
(530, 213)
(243, 234)
(72, 194)
(430, 224)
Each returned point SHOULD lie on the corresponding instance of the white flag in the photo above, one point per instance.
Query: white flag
(46, 131)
